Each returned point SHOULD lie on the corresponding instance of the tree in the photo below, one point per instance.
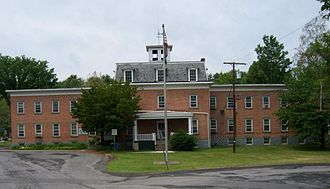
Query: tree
(325, 7)
(107, 106)
(24, 73)
(4, 117)
(272, 65)
(226, 78)
(71, 82)
(98, 79)
(308, 106)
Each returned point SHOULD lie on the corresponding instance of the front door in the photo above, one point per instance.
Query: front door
(160, 130)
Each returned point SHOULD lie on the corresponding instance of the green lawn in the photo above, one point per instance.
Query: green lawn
(220, 157)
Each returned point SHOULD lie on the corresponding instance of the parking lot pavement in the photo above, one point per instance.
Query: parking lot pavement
(68, 169)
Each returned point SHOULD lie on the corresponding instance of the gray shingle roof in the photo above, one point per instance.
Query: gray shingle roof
(145, 72)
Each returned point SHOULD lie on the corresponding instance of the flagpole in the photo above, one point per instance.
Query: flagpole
(165, 99)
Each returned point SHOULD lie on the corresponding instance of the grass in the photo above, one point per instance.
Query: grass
(220, 157)
(5, 144)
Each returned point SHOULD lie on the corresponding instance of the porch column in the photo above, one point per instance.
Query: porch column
(190, 125)
(135, 131)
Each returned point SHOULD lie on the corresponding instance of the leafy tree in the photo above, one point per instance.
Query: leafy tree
(325, 7)
(24, 73)
(107, 106)
(71, 82)
(4, 116)
(308, 113)
(226, 78)
(98, 79)
(272, 65)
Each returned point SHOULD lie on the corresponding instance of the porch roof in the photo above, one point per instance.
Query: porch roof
(160, 115)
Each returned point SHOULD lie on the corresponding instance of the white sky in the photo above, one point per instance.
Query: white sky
(83, 36)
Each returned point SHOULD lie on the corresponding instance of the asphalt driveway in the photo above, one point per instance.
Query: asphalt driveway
(67, 169)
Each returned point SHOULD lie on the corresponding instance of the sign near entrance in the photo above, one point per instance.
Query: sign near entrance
(114, 132)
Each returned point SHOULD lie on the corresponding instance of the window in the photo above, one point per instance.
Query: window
(38, 129)
(73, 105)
(230, 102)
(195, 126)
(20, 107)
(230, 124)
(161, 102)
(266, 124)
(154, 55)
(248, 125)
(37, 107)
(55, 106)
(160, 130)
(248, 102)
(74, 129)
(21, 130)
(266, 102)
(249, 141)
(284, 140)
(230, 141)
(56, 130)
(213, 102)
(266, 141)
(213, 126)
(160, 75)
(283, 103)
(192, 74)
(128, 76)
(193, 101)
(284, 126)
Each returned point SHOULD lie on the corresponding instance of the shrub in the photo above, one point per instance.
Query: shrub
(181, 141)
(58, 146)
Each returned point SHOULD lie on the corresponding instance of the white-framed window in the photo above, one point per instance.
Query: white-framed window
(266, 102)
(128, 76)
(249, 141)
(230, 102)
(161, 102)
(37, 107)
(193, 74)
(20, 130)
(284, 140)
(248, 125)
(160, 75)
(154, 55)
(230, 141)
(213, 126)
(195, 126)
(55, 106)
(248, 102)
(213, 102)
(284, 126)
(283, 103)
(266, 124)
(266, 141)
(73, 104)
(38, 129)
(56, 130)
(74, 129)
(230, 125)
(193, 99)
(20, 107)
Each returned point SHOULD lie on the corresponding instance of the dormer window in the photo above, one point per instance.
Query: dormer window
(160, 75)
(192, 74)
(128, 76)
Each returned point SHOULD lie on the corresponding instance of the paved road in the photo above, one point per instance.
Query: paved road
(66, 170)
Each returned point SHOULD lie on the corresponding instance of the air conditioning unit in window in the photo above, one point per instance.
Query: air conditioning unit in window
(266, 106)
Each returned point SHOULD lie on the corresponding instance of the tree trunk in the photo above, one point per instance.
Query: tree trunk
(102, 138)
(322, 138)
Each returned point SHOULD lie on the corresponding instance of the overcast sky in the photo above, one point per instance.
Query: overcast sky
(83, 36)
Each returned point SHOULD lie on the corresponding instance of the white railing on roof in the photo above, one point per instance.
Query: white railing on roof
(146, 137)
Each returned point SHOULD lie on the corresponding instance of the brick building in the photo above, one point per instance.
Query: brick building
(195, 105)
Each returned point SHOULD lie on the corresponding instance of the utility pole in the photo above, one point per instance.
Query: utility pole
(234, 101)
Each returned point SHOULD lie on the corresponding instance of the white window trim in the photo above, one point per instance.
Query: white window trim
(131, 75)
(158, 102)
(157, 79)
(192, 129)
(228, 120)
(196, 101)
(229, 141)
(251, 141)
(58, 102)
(228, 102)
(196, 73)
(287, 130)
(77, 131)
(71, 104)
(17, 107)
(35, 129)
(216, 125)
(287, 140)
(59, 129)
(263, 125)
(263, 102)
(269, 141)
(251, 102)
(215, 102)
(35, 107)
(18, 126)
(245, 121)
